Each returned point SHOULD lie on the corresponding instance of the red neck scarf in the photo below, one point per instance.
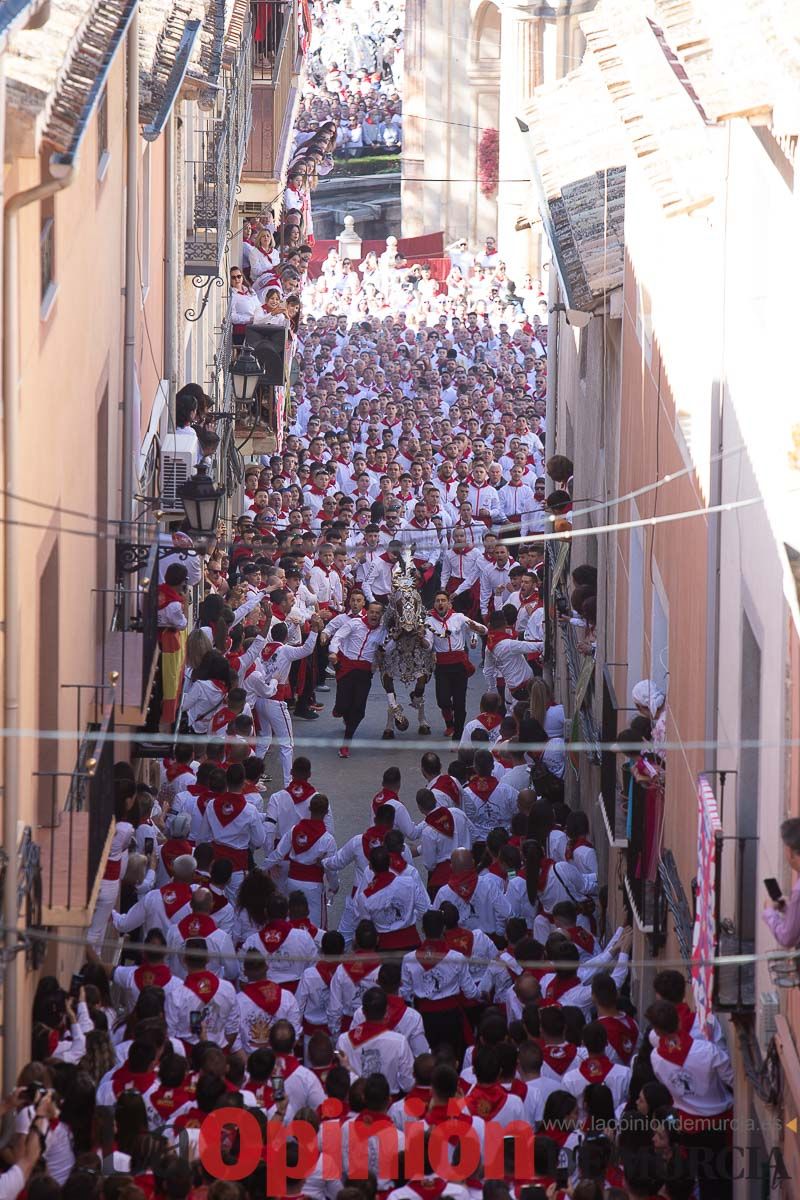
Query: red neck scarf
(228, 807)
(559, 987)
(326, 971)
(495, 636)
(306, 834)
(572, 846)
(365, 1032)
(441, 819)
(204, 984)
(274, 934)
(675, 1047)
(383, 797)
(482, 786)
(596, 1068)
(464, 883)
(364, 962)
(431, 952)
(459, 939)
(300, 790)
(485, 1100)
(373, 838)
(382, 880)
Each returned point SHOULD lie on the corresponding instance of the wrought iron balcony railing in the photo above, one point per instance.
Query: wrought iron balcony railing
(215, 166)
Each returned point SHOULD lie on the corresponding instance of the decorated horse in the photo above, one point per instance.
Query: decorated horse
(407, 656)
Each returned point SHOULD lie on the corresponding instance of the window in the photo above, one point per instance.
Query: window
(102, 135)
(747, 789)
(47, 244)
(145, 222)
(644, 321)
(635, 603)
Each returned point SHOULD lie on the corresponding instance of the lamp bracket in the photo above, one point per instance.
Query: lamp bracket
(202, 282)
(131, 557)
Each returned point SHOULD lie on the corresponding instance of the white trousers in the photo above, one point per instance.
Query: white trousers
(107, 898)
(274, 716)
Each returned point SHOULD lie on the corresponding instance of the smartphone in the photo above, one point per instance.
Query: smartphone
(562, 1177)
(195, 1022)
(149, 843)
(278, 1089)
(533, 1191)
(75, 986)
(773, 889)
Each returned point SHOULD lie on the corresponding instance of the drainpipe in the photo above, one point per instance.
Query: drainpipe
(132, 298)
(63, 177)
(170, 269)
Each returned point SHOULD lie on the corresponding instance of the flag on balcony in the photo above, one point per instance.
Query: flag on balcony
(305, 27)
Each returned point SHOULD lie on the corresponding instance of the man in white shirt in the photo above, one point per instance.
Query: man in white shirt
(453, 668)
(200, 923)
(478, 899)
(352, 652)
(204, 1008)
(372, 1047)
(393, 903)
(597, 1067)
(506, 659)
(444, 830)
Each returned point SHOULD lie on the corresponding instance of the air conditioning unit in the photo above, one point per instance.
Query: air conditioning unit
(767, 1012)
(177, 466)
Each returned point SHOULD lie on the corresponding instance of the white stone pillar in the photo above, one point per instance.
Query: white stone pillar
(349, 241)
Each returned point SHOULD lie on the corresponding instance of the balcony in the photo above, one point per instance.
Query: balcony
(77, 836)
(274, 51)
(735, 915)
(580, 666)
(642, 879)
(129, 620)
(613, 800)
(215, 156)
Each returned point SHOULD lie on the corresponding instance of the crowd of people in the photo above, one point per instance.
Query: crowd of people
(471, 983)
(354, 76)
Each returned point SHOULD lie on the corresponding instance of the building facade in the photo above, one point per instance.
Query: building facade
(121, 188)
(670, 338)
(469, 71)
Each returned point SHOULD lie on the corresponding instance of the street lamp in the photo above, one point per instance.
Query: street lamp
(201, 499)
(245, 376)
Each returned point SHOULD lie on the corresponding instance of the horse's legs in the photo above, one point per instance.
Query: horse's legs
(418, 700)
(394, 714)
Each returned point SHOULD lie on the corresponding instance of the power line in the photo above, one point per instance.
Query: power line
(115, 944)
(323, 741)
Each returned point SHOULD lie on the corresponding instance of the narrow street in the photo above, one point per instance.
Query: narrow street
(419, 366)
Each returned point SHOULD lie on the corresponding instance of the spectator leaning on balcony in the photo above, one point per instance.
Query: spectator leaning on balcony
(783, 916)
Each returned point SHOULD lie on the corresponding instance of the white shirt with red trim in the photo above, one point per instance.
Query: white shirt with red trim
(230, 821)
(488, 803)
(289, 805)
(697, 1072)
(486, 908)
(594, 1069)
(437, 843)
(349, 982)
(288, 950)
(260, 1005)
(357, 641)
(385, 1052)
(405, 1020)
(221, 953)
(214, 998)
(392, 907)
